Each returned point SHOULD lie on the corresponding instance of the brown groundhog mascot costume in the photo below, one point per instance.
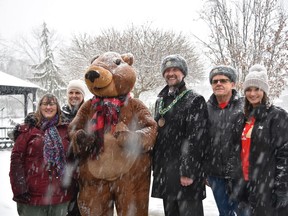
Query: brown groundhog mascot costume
(113, 135)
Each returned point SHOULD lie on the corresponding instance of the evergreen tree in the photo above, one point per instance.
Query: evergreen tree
(46, 72)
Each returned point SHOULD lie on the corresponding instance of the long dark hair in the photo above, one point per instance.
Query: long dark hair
(50, 97)
(248, 106)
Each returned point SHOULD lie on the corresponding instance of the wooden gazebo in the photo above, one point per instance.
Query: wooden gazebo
(11, 85)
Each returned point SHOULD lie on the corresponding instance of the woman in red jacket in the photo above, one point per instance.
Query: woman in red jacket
(38, 161)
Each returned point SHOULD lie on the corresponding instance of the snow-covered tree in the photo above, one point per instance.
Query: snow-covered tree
(46, 73)
(148, 45)
(246, 32)
(4, 54)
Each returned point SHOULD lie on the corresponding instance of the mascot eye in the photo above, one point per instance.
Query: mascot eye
(117, 61)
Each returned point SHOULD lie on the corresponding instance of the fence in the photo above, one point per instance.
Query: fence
(5, 141)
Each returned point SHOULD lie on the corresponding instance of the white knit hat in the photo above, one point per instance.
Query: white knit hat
(257, 77)
(77, 85)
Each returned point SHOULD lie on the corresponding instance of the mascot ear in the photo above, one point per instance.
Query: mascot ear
(93, 59)
(128, 58)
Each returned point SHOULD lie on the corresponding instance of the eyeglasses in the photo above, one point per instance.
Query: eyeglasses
(222, 81)
(50, 104)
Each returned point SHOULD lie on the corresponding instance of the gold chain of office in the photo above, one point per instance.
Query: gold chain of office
(162, 110)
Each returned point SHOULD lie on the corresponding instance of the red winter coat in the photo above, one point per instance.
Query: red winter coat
(28, 172)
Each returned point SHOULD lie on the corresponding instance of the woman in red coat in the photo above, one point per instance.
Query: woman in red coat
(38, 162)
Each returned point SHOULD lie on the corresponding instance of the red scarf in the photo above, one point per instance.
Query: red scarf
(105, 117)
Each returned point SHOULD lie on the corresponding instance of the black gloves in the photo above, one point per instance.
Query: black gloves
(23, 198)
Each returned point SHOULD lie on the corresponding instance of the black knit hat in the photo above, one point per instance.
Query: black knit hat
(228, 71)
(174, 61)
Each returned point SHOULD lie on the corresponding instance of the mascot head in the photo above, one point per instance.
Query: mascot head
(111, 75)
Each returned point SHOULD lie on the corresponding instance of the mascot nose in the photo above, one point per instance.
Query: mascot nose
(92, 75)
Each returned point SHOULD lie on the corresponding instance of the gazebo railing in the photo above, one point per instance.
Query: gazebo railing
(5, 141)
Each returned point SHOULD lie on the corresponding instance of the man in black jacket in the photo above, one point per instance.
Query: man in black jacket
(177, 155)
(226, 118)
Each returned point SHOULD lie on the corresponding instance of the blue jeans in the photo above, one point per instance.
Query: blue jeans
(219, 186)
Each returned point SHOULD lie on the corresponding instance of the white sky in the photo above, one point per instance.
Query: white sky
(66, 17)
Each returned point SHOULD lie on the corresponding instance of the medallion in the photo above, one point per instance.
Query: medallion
(162, 110)
(161, 122)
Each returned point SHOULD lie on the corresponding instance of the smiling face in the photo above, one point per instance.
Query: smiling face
(173, 76)
(222, 87)
(254, 95)
(48, 107)
(75, 98)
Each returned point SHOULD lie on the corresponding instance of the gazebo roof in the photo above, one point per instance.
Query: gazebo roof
(10, 85)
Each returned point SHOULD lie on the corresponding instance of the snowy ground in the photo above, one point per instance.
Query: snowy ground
(8, 206)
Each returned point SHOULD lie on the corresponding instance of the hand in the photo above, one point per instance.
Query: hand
(84, 141)
(23, 198)
(207, 183)
(185, 181)
(121, 133)
(229, 186)
(120, 128)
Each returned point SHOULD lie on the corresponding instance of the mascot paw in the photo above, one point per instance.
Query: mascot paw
(121, 127)
(84, 143)
(122, 138)
(121, 133)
